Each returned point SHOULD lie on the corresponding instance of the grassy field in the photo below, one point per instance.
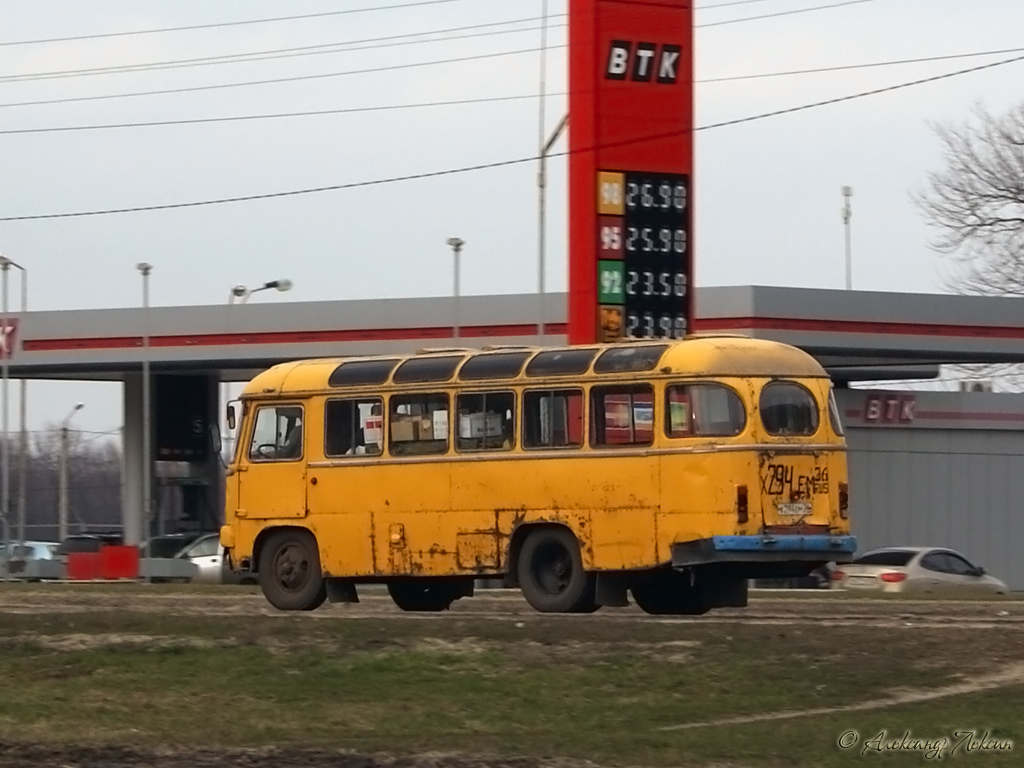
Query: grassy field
(168, 668)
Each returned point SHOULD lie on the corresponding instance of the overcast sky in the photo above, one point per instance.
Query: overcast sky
(767, 202)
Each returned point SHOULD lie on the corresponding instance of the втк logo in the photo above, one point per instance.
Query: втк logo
(643, 62)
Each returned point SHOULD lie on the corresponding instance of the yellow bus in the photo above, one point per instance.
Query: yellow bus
(674, 471)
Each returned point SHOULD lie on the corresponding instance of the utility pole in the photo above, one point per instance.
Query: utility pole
(456, 243)
(147, 462)
(62, 510)
(847, 214)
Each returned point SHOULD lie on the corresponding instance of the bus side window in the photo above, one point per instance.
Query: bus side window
(486, 422)
(277, 433)
(703, 410)
(622, 415)
(553, 418)
(418, 424)
(354, 427)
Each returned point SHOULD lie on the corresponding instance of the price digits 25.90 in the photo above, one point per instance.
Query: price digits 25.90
(655, 249)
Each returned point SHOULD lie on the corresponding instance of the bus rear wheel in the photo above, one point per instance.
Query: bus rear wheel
(423, 595)
(551, 573)
(289, 572)
(669, 593)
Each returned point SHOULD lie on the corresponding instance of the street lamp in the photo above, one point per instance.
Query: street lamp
(147, 501)
(242, 293)
(62, 516)
(456, 243)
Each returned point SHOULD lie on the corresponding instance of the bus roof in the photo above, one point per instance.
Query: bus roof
(697, 355)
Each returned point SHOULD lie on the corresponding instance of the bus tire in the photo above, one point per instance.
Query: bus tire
(422, 595)
(669, 594)
(551, 574)
(289, 571)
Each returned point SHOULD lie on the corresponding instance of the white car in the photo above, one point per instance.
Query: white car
(207, 554)
(917, 569)
(24, 551)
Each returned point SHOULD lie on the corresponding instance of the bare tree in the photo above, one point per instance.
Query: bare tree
(975, 204)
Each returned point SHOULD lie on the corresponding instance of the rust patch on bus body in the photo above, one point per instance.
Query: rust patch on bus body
(373, 544)
(477, 550)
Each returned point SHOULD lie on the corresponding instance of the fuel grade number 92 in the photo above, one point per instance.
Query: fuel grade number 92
(647, 283)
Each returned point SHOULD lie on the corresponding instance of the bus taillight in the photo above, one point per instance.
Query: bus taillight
(741, 504)
(844, 501)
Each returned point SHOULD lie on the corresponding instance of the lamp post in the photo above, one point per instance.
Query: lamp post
(456, 243)
(847, 214)
(545, 145)
(62, 512)
(6, 264)
(147, 501)
(4, 468)
(243, 293)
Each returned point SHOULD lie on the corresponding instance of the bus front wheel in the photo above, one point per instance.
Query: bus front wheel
(551, 573)
(289, 571)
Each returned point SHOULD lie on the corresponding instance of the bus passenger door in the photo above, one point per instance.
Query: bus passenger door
(272, 472)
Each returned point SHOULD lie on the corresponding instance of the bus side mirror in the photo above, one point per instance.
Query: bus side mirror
(231, 417)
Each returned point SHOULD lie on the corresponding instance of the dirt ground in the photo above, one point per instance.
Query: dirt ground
(18, 756)
(765, 608)
(39, 756)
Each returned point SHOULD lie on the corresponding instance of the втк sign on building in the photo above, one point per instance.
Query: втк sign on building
(630, 169)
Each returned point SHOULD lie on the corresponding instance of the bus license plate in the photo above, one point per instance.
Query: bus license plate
(795, 508)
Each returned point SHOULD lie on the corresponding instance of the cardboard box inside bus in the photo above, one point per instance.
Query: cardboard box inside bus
(410, 428)
(480, 425)
(404, 429)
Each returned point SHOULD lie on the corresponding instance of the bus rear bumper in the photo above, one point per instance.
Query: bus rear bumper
(764, 549)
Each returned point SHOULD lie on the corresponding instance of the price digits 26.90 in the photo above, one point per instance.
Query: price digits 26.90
(655, 255)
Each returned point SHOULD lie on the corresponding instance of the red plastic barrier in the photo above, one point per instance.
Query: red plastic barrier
(83, 566)
(119, 562)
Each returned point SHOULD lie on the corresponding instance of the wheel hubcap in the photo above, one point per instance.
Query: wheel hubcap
(291, 568)
(552, 569)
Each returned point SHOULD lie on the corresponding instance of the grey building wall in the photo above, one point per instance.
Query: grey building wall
(951, 477)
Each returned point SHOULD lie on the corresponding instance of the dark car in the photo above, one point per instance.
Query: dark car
(87, 542)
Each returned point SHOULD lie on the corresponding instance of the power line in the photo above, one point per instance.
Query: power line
(387, 41)
(482, 100)
(274, 116)
(258, 56)
(308, 51)
(868, 65)
(224, 24)
(862, 94)
(712, 6)
(782, 13)
(328, 48)
(500, 163)
(279, 80)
